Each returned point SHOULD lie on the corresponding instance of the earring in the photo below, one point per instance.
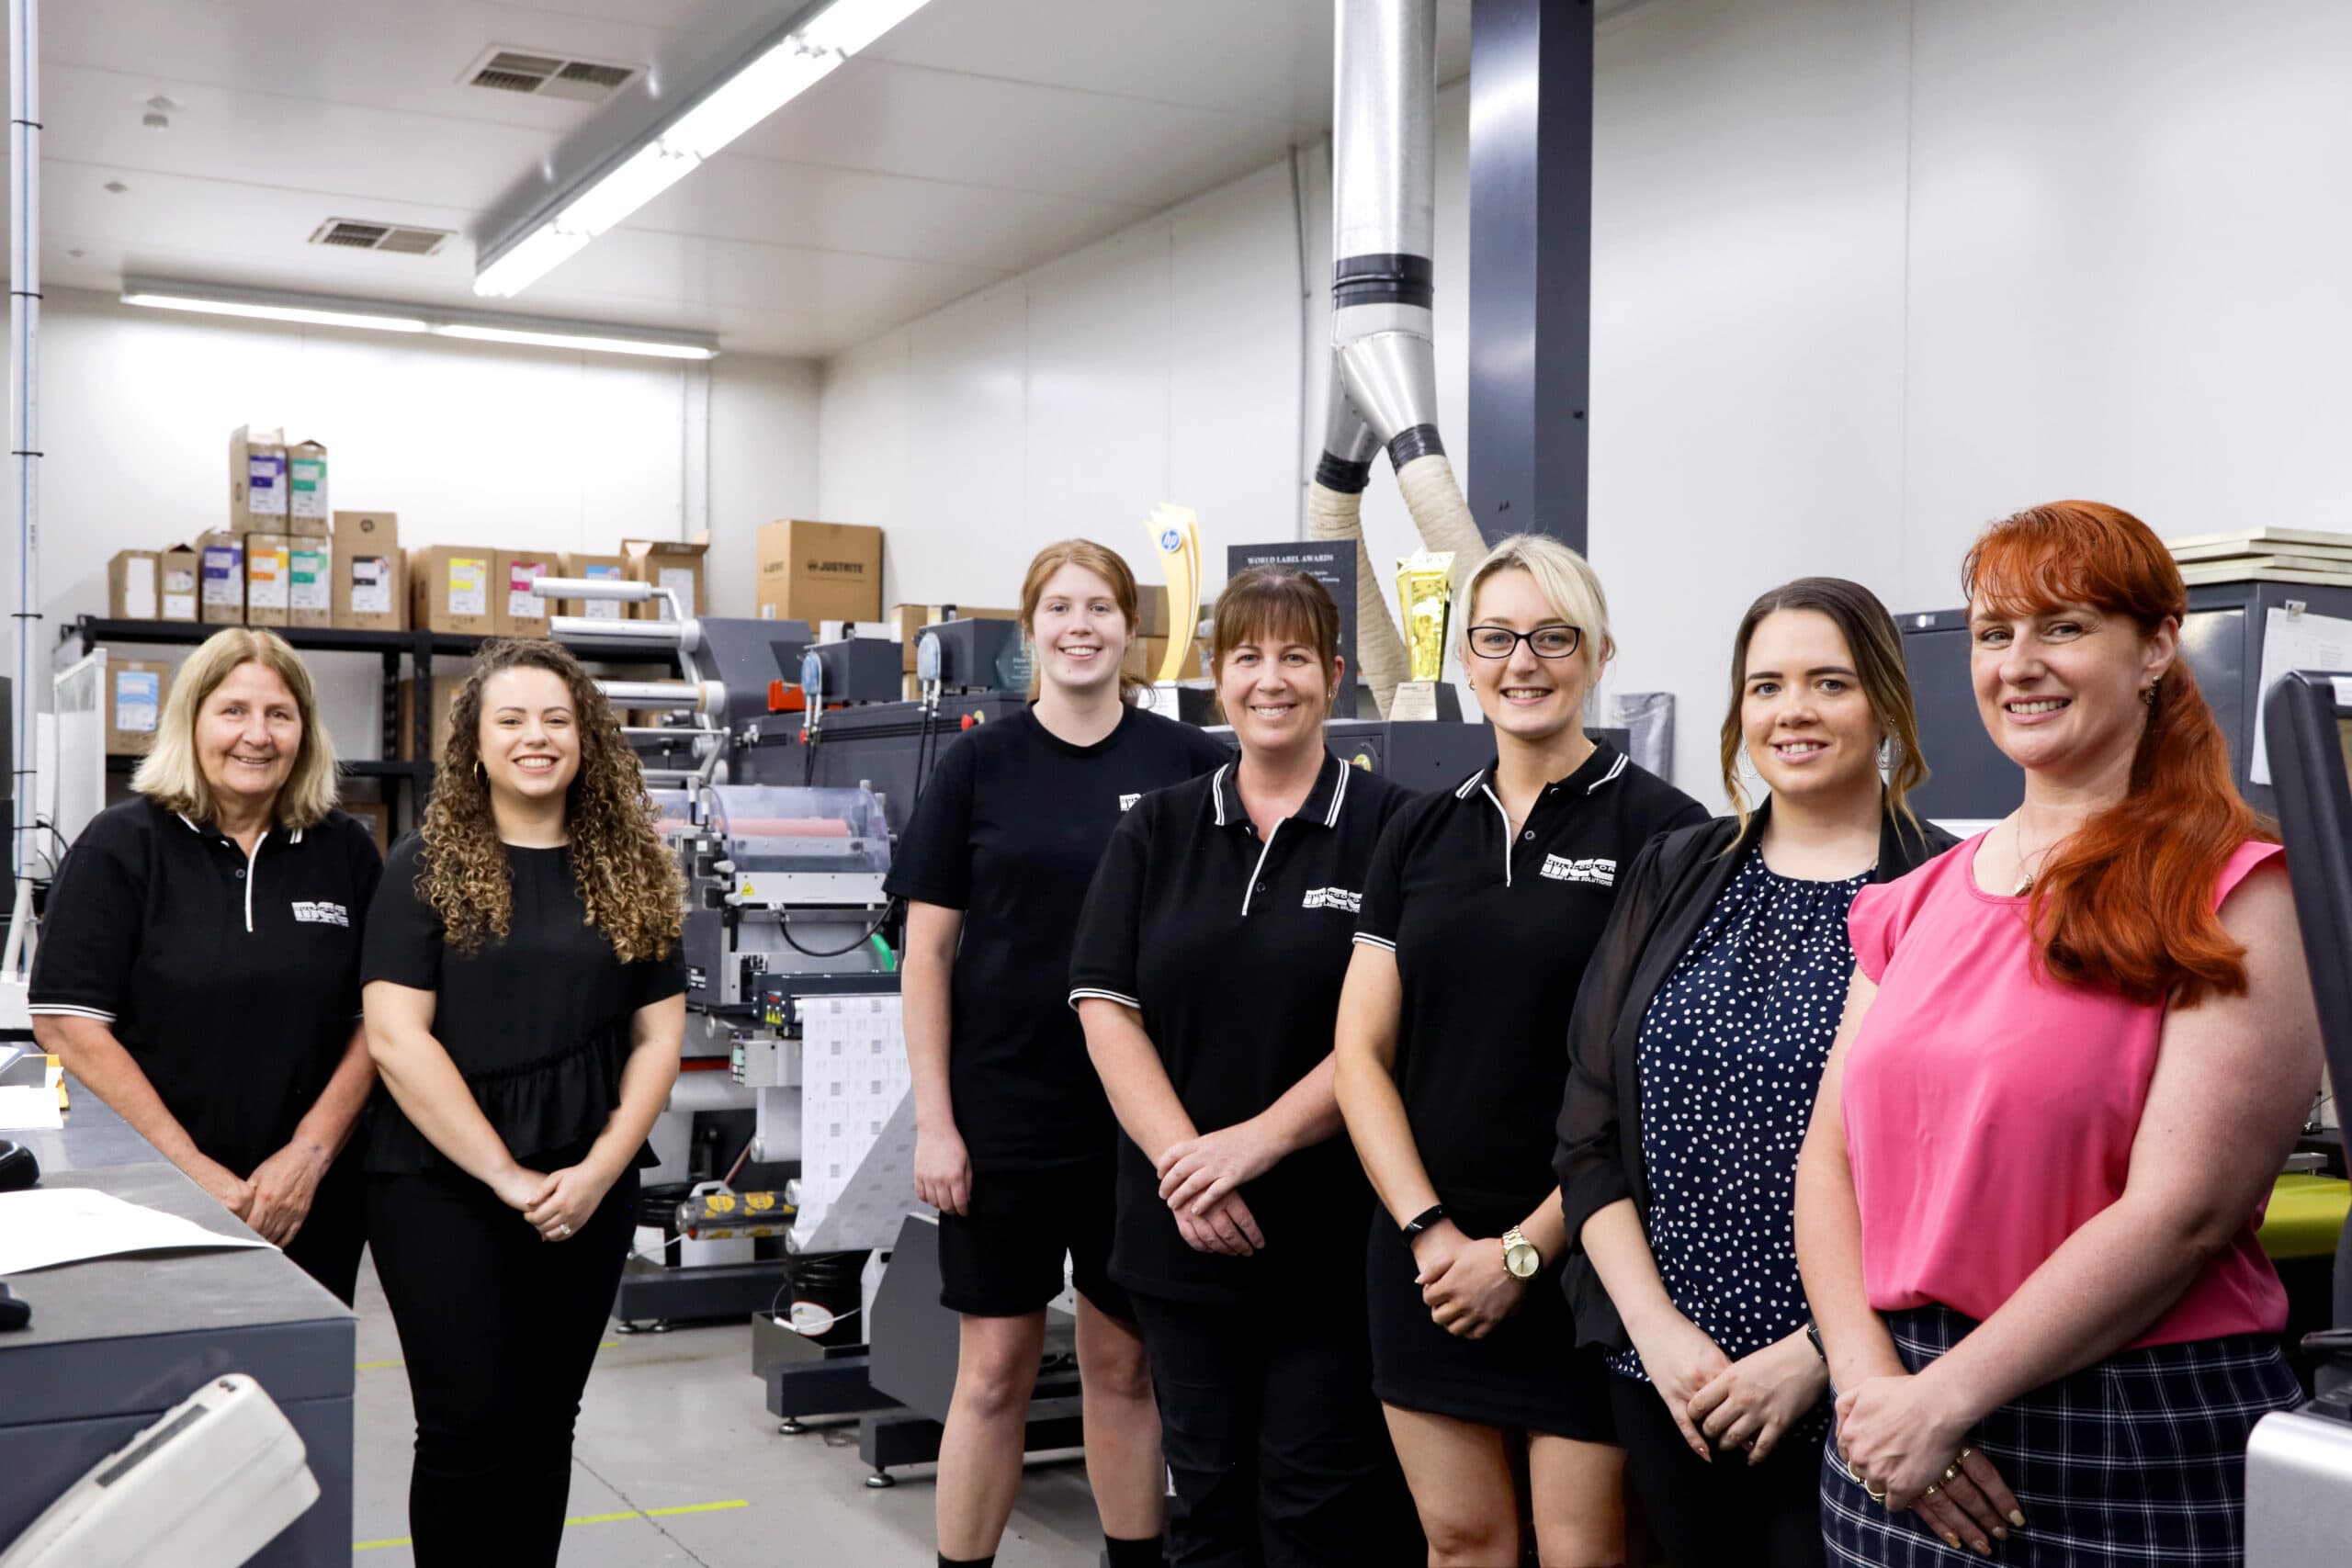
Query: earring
(2149, 697)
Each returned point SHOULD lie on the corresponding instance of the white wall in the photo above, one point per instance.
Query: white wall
(1867, 273)
(469, 443)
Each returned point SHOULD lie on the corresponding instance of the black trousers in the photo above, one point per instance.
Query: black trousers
(335, 1232)
(1706, 1515)
(1280, 1453)
(499, 1329)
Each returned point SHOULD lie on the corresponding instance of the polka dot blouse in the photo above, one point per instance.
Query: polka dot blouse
(1731, 1050)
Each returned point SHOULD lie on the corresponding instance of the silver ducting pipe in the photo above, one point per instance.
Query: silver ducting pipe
(1383, 368)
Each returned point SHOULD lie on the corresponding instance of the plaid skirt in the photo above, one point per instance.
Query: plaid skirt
(2140, 1459)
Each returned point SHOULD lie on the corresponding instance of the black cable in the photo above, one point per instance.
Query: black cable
(870, 933)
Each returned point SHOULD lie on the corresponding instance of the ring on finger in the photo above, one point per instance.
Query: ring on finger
(1874, 1496)
(1951, 1473)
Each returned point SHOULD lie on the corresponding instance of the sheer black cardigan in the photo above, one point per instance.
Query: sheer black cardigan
(1661, 903)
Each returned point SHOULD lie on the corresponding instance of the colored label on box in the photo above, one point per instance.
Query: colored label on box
(602, 609)
(371, 586)
(224, 574)
(311, 587)
(138, 701)
(308, 480)
(523, 603)
(469, 585)
(265, 486)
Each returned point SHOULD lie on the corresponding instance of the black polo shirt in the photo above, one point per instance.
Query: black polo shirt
(1491, 933)
(1233, 951)
(1009, 831)
(233, 981)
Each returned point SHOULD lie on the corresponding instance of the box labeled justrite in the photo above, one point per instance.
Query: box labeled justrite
(135, 692)
(132, 586)
(521, 611)
(819, 571)
(306, 487)
(449, 590)
(595, 569)
(310, 581)
(371, 583)
(257, 498)
(223, 555)
(269, 570)
(666, 563)
(181, 569)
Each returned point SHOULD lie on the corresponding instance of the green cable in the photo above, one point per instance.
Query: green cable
(889, 959)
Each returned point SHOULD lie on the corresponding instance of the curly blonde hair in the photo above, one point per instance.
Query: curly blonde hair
(629, 883)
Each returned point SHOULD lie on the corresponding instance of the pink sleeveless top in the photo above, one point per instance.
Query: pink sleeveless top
(1990, 1112)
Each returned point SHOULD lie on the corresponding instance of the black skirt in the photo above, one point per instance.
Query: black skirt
(2140, 1459)
(1527, 1375)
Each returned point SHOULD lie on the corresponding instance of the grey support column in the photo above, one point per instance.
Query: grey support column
(1530, 264)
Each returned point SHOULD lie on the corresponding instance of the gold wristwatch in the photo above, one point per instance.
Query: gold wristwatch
(1520, 1255)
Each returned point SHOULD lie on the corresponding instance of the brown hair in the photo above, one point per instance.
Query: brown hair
(1877, 651)
(628, 879)
(1280, 600)
(1104, 562)
(2126, 900)
(172, 776)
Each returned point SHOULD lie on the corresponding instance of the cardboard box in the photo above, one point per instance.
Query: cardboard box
(182, 572)
(376, 814)
(445, 693)
(310, 581)
(370, 586)
(133, 585)
(135, 692)
(449, 590)
(576, 563)
(907, 621)
(1151, 609)
(223, 554)
(819, 571)
(257, 494)
(521, 611)
(269, 570)
(1145, 654)
(306, 490)
(671, 565)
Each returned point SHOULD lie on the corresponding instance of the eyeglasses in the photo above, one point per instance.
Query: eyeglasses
(1549, 642)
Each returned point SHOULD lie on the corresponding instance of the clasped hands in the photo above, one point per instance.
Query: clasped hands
(558, 1204)
(1904, 1439)
(1201, 1177)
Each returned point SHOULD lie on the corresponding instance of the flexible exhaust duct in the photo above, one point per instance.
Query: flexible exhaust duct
(1384, 369)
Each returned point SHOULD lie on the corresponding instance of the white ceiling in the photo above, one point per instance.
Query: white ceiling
(978, 138)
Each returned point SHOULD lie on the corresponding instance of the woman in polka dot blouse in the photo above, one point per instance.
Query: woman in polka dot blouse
(1699, 1039)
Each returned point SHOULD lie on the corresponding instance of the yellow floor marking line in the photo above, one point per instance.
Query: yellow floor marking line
(593, 1520)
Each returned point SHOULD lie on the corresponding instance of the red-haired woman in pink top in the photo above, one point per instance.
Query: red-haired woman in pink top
(2076, 1053)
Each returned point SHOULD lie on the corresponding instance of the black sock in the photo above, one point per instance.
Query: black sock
(948, 1562)
(1142, 1554)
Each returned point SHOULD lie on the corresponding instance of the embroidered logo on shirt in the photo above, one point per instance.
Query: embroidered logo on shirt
(322, 914)
(1334, 898)
(1126, 801)
(1597, 872)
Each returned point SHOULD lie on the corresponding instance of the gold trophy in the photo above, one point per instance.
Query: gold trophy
(1425, 593)
(1176, 534)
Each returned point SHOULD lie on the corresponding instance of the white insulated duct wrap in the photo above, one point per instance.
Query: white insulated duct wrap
(1380, 652)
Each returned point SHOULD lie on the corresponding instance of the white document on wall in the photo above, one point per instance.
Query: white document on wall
(2294, 640)
(50, 1225)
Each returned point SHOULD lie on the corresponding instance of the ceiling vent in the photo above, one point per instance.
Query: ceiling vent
(546, 75)
(349, 234)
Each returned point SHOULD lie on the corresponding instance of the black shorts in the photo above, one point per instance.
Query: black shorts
(1002, 1258)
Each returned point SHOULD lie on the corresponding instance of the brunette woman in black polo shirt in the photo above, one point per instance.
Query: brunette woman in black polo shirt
(1207, 969)
(1481, 908)
(199, 968)
(526, 1001)
(1012, 1138)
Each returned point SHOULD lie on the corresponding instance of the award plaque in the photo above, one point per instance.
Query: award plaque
(1425, 593)
(1176, 534)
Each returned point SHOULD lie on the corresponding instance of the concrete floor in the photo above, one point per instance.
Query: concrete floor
(678, 1461)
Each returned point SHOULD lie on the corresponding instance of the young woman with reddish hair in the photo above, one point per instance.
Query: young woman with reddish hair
(2075, 1054)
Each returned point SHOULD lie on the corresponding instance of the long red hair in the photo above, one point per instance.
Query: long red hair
(2126, 902)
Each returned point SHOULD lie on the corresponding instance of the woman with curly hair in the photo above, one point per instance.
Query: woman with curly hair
(526, 1001)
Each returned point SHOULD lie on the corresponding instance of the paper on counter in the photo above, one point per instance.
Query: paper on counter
(29, 1105)
(2290, 642)
(50, 1225)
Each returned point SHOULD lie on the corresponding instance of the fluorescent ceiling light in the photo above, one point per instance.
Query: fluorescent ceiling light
(312, 310)
(578, 340)
(317, 318)
(764, 83)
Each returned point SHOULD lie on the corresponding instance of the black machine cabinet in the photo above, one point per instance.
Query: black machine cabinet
(2221, 640)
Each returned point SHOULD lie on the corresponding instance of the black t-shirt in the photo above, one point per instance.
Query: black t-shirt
(232, 981)
(1233, 951)
(1009, 831)
(539, 1023)
(1492, 935)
